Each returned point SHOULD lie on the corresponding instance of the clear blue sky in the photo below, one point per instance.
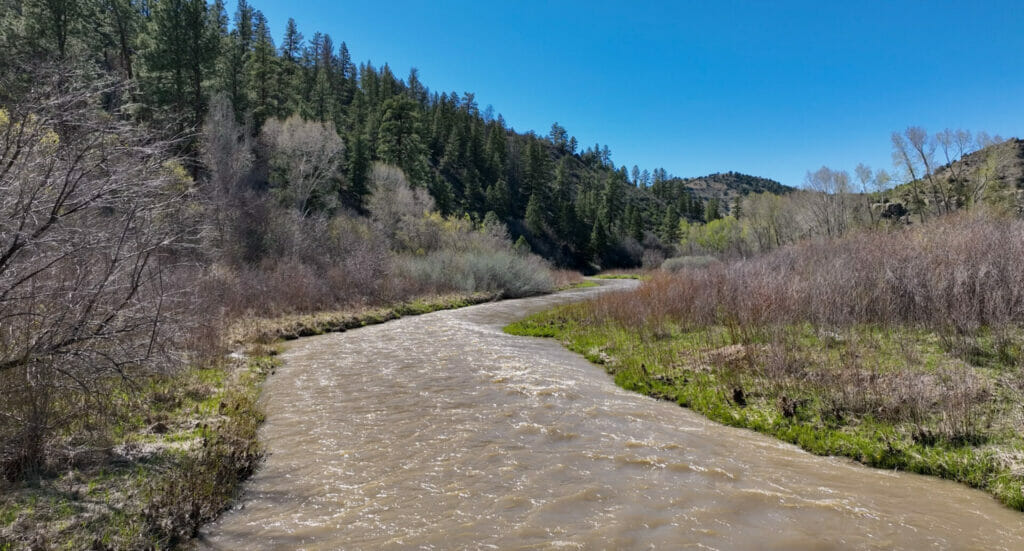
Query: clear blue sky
(767, 88)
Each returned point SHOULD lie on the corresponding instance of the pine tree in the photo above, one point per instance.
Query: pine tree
(670, 225)
(289, 76)
(559, 137)
(183, 45)
(537, 173)
(522, 246)
(52, 26)
(612, 199)
(399, 142)
(496, 151)
(321, 102)
(711, 211)
(262, 72)
(696, 209)
(598, 241)
(451, 161)
(347, 73)
(234, 60)
(357, 169)
(565, 213)
(494, 224)
(441, 191)
(499, 199)
(416, 90)
(634, 223)
(568, 223)
(473, 198)
(475, 156)
(124, 25)
(291, 45)
(535, 216)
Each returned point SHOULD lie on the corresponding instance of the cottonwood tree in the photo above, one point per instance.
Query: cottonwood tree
(398, 209)
(988, 181)
(985, 182)
(227, 153)
(91, 236)
(306, 158)
(870, 182)
(763, 214)
(914, 152)
(953, 145)
(830, 204)
(905, 159)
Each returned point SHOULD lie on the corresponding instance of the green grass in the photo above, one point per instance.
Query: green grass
(620, 276)
(160, 498)
(579, 285)
(268, 330)
(678, 364)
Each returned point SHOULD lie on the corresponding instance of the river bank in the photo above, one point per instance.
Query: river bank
(180, 455)
(443, 431)
(888, 398)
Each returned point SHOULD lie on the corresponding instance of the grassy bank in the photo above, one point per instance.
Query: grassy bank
(181, 450)
(617, 274)
(268, 330)
(901, 349)
(915, 410)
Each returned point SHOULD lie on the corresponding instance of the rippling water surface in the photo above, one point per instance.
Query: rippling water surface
(440, 431)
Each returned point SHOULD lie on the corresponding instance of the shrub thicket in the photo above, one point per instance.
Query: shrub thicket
(862, 324)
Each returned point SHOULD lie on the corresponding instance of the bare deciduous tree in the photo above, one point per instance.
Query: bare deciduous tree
(306, 158)
(904, 158)
(90, 223)
(831, 204)
(227, 154)
(954, 144)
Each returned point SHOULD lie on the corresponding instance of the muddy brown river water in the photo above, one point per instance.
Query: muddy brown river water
(442, 432)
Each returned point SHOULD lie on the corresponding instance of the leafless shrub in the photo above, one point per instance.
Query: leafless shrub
(565, 278)
(91, 225)
(498, 271)
(956, 274)
(959, 276)
(687, 262)
(956, 397)
(652, 259)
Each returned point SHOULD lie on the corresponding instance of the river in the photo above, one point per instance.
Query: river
(442, 432)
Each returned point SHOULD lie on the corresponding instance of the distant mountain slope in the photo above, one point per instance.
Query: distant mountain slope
(726, 186)
(691, 195)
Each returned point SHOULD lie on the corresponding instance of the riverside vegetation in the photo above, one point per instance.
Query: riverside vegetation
(124, 283)
(174, 186)
(902, 349)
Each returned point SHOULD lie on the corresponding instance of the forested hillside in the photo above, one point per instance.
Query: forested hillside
(173, 58)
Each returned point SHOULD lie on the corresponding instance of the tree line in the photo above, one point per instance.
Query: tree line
(570, 203)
